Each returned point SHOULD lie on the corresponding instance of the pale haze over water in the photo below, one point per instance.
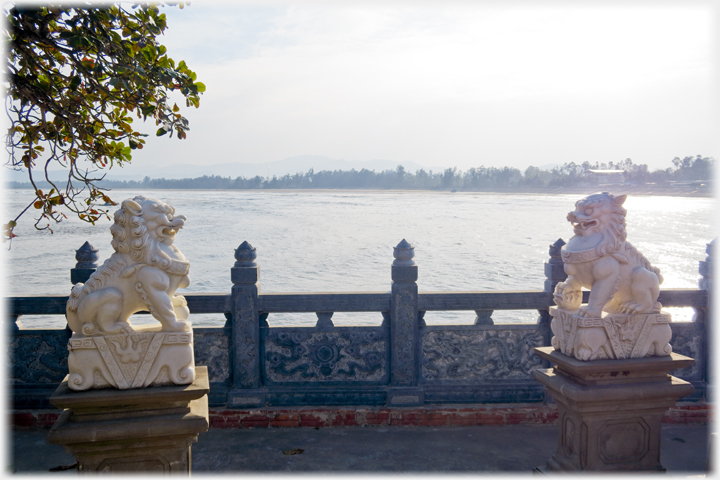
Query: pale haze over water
(342, 241)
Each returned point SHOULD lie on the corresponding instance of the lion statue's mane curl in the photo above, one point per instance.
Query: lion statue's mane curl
(142, 274)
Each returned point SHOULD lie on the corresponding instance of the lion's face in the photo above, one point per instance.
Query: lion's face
(160, 220)
(595, 214)
(142, 224)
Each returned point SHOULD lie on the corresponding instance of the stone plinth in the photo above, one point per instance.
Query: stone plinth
(146, 357)
(610, 411)
(611, 336)
(135, 430)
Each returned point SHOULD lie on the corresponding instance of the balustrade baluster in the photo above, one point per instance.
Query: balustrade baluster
(14, 323)
(324, 320)
(386, 319)
(484, 317)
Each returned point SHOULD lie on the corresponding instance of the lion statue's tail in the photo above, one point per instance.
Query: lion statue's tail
(112, 267)
(77, 293)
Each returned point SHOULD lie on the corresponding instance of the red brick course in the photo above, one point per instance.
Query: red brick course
(431, 416)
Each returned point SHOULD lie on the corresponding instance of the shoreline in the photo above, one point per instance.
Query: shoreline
(636, 190)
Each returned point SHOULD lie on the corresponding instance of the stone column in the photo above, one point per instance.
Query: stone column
(610, 411)
(245, 276)
(139, 430)
(404, 329)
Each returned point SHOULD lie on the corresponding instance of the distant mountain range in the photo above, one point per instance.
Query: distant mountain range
(292, 165)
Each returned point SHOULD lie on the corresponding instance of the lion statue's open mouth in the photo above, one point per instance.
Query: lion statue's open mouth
(582, 226)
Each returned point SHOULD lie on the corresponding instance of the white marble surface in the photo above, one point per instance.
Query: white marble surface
(613, 336)
(624, 287)
(142, 275)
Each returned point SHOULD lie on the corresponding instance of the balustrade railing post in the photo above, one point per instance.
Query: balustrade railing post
(245, 275)
(555, 268)
(706, 283)
(404, 329)
(706, 269)
(554, 273)
(86, 265)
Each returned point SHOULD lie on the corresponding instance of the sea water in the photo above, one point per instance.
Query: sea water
(342, 241)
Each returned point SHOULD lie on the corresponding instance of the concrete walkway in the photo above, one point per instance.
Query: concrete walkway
(478, 449)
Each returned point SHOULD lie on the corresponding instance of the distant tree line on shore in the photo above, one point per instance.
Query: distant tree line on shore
(476, 178)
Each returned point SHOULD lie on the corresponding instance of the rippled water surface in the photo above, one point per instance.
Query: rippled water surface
(339, 241)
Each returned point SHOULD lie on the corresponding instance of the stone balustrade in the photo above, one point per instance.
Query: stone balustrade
(400, 362)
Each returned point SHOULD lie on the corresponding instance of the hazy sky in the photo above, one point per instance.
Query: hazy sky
(446, 84)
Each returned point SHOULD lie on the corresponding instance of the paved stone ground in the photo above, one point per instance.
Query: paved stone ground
(372, 450)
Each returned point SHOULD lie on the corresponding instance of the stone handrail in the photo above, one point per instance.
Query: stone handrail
(359, 302)
(401, 361)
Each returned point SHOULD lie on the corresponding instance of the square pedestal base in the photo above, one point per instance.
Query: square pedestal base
(136, 430)
(610, 411)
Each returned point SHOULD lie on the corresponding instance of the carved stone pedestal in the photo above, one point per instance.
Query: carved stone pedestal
(146, 357)
(135, 430)
(612, 336)
(610, 411)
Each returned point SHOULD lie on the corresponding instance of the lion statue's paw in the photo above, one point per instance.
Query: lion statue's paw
(179, 326)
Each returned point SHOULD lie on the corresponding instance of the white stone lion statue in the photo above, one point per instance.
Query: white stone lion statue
(598, 257)
(142, 275)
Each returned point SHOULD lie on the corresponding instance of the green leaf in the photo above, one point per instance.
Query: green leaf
(75, 82)
(200, 86)
(161, 131)
(123, 69)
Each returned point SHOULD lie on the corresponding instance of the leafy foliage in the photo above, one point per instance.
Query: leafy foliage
(75, 77)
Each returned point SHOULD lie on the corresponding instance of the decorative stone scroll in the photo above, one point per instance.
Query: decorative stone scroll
(622, 318)
(143, 274)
